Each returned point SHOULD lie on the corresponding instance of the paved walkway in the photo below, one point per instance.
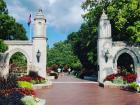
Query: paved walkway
(68, 90)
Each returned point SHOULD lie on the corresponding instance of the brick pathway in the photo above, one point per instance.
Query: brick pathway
(68, 90)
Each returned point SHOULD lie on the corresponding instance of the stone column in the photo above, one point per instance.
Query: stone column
(40, 44)
(104, 47)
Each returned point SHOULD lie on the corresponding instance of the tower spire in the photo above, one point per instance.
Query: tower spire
(104, 16)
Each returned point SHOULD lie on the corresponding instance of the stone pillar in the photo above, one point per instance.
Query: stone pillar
(104, 47)
(138, 75)
(39, 43)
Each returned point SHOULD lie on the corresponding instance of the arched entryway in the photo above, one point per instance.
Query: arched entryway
(21, 53)
(126, 58)
(125, 62)
(18, 64)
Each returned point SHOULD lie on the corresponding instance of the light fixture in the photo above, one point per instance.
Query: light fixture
(38, 56)
(106, 55)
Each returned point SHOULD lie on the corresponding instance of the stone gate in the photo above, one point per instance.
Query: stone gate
(35, 50)
(109, 52)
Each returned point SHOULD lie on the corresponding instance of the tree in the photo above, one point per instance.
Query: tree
(18, 59)
(124, 17)
(84, 45)
(61, 54)
(123, 14)
(9, 28)
(3, 46)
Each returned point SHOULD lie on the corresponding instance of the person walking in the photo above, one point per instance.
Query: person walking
(59, 70)
(69, 70)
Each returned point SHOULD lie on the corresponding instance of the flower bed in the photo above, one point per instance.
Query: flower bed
(15, 92)
(34, 80)
(128, 81)
(127, 78)
(33, 77)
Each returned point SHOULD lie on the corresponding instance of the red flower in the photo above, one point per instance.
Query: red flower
(25, 78)
(130, 78)
(110, 77)
(25, 91)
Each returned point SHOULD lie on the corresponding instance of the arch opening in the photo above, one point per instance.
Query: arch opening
(125, 63)
(18, 64)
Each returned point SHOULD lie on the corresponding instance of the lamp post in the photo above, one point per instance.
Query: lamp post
(106, 56)
(38, 56)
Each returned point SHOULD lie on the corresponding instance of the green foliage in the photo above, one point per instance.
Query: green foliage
(24, 84)
(76, 66)
(29, 100)
(3, 8)
(84, 44)
(118, 80)
(18, 59)
(38, 81)
(62, 54)
(9, 28)
(124, 17)
(133, 85)
(3, 46)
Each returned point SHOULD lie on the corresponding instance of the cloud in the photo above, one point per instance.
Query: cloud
(63, 15)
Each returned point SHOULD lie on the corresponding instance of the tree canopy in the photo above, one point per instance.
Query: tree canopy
(125, 20)
(18, 59)
(62, 54)
(3, 46)
(9, 28)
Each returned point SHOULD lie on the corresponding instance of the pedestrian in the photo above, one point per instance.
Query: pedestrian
(69, 70)
(59, 70)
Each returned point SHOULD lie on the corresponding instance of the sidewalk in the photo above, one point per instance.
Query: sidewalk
(68, 90)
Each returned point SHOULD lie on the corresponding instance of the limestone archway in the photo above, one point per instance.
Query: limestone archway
(14, 51)
(18, 64)
(126, 63)
(130, 53)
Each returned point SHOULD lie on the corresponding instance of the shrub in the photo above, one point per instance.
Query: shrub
(25, 78)
(3, 46)
(133, 85)
(33, 82)
(76, 66)
(38, 81)
(15, 98)
(29, 100)
(26, 91)
(6, 92)
(8, 83)
(38, 78)
(33, 77)
(23, 91)
(33, 74)
(24, 84)
(130, 78)
(110, 77)
(54, 67)
(54, 74)
(118, 80)
(12, 99)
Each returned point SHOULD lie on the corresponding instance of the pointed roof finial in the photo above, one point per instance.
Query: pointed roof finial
(103, 11)
(104, 16)
(40, 10)
(40, 14)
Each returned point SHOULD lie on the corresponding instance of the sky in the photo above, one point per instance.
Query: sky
(63, 16)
